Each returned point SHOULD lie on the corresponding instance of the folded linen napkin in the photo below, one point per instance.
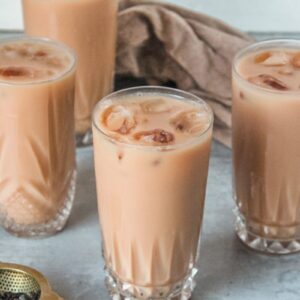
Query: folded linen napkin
(162, 43)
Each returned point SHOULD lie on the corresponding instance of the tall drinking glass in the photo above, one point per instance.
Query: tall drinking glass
(89, 27)
(37, 148)
(266, 145)
(152, 150)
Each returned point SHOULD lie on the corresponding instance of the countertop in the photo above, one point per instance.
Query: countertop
(72, 261)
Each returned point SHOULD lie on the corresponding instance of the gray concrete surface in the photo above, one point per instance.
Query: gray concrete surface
(72, 259)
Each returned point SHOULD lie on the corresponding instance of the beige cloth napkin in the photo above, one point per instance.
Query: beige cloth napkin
(162, 42)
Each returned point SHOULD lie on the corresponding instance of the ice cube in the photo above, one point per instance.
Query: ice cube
(296, 60)
(10, 52)
(119, 119)
(262, 57)
(288, 70)
(14, 72)
(159, 136)
(266, 80)
(23, 52)
(277, 58)
(156, 106)
(40, 53)
(53, 62)
(190, 121)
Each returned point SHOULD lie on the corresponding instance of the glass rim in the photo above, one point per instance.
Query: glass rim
(42, 40)
(151, 89)
(273, 44)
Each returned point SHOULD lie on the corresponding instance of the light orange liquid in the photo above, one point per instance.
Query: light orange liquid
(89, 27)
(151, 168)
(266, 143)
(37, 156)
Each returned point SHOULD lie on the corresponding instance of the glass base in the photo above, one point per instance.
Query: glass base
(49, 228)
(119, 290)
(84, 139)
(263, 244)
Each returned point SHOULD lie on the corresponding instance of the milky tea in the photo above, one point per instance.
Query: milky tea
(37, 151)
(151, 158)
(266, 145)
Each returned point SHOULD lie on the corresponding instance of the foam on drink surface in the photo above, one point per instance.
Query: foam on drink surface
(274, 69)
(32, 61)
(153, 120)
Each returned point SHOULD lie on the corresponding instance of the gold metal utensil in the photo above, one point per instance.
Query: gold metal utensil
(17, 279)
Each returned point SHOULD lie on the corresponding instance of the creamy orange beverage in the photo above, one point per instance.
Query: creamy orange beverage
(37, 150)
(266, 145)
(152, 150)
(89, 27)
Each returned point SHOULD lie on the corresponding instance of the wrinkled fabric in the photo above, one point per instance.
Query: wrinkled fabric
(162, 43)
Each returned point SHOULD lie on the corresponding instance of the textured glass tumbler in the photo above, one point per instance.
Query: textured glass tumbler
(90, 28)
(37, 147)
(150, 201)
(266, 160)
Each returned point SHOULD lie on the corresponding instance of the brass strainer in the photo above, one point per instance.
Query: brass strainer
(19, 282)
(20, 279)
